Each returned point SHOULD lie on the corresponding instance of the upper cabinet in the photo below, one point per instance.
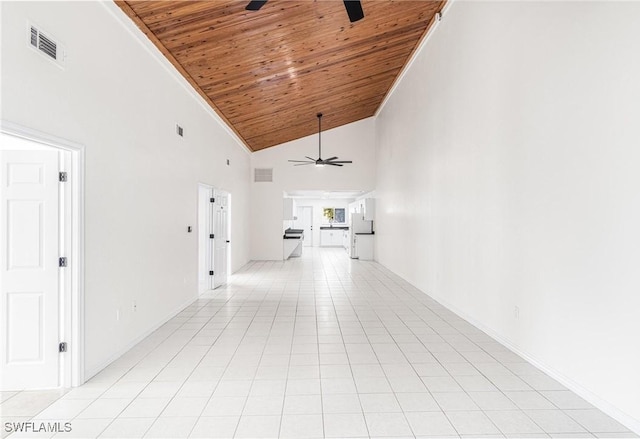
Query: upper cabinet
(288, 209)
(369, 209)
(364, 207)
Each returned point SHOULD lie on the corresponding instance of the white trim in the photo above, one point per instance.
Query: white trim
(141, 38)
(73, 372)
(205, 249)
(415, 55)
(96, 369)
(595, 400)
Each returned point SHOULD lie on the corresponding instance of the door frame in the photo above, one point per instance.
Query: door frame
(72, 323)
(204, 242)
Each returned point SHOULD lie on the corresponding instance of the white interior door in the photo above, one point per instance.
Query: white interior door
(29, 272)
(205, 242)
(221, 238)
(305, 222)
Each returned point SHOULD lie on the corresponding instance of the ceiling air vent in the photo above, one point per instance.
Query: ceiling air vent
(45, 44)
(263, 175)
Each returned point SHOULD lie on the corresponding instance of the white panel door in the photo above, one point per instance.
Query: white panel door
(29, 270)
(221, 238)
(305, 222)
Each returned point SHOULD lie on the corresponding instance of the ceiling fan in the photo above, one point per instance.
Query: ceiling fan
(353, 7)
(333, 161)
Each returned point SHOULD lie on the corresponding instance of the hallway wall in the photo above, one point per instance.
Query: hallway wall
(115, 97)
(508, 177)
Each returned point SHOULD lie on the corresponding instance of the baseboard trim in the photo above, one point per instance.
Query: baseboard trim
(90, 373)
(628, 421)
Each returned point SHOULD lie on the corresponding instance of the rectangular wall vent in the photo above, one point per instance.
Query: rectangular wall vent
(45, 44)
(179, 130)
(263, 175)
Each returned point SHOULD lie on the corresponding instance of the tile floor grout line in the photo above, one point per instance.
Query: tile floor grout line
(157, 374)
(322, 302)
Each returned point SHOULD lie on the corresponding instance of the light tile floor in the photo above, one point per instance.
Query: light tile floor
(318, 346)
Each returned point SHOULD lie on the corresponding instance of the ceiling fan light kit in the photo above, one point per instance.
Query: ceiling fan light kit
(319, 162)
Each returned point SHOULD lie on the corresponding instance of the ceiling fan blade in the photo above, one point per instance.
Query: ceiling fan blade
(305, 163)
(339, 161)
(255, 5)
(302, 161)
(310, 158)
(354, 10)
(333, 164)
(329, 159)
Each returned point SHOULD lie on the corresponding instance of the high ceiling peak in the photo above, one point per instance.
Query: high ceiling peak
(267, 72)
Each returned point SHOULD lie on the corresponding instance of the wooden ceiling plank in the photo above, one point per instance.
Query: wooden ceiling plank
(345, 92)
(316, 83)
(264, 71)
(286, 134)
(310, 33)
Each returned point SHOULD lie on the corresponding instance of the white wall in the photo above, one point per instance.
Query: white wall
(120, 102)
(354, 142)
(508, 176)
(318, 218)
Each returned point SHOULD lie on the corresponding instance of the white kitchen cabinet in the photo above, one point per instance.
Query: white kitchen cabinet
(288, 209)
(364, 247)
(331, 238)
(369, 207)
(365, 208)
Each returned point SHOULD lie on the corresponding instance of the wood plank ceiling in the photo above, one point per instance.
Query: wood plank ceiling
(268, 72)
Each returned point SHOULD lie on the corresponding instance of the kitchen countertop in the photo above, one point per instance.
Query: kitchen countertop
(369, 233)
(293, 233)
(334, 228)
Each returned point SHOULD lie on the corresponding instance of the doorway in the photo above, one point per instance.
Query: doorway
(304, 221)
(41, 270)
(214, 247)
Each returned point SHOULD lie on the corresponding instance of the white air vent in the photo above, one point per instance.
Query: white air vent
(263, 175)
(45, 44)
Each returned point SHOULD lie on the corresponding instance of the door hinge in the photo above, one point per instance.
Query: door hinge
(211, 273)
(62, 177)
(62, 347)
(211, 235)
(62, 262)
(213, 200)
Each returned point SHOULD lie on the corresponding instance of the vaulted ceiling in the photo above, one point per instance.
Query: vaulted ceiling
(268, 72)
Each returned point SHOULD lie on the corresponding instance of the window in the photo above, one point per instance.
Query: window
(334, 214)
